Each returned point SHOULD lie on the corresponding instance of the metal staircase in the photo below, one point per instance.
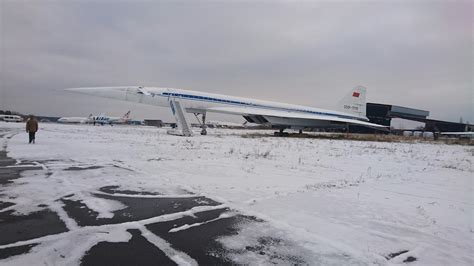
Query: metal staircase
(183, 129)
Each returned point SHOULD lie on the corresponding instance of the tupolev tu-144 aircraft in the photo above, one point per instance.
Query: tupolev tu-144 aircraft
(352, 108)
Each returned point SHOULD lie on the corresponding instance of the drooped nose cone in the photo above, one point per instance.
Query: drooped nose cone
(118, 93)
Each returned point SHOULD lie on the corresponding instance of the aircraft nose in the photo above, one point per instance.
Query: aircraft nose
(118, 93)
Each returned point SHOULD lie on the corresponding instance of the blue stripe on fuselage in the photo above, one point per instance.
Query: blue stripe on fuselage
(217, 100)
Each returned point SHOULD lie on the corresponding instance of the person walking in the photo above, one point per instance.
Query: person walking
(32, 128)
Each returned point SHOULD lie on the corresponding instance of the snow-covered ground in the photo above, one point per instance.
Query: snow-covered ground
(338, 199)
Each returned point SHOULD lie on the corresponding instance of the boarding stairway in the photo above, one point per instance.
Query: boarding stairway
(183, 127)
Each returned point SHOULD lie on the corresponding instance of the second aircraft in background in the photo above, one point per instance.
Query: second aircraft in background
(100, 119)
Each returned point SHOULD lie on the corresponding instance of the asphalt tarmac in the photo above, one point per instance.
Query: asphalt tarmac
(198, 242)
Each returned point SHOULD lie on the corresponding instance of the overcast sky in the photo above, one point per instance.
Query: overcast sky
(411, 53)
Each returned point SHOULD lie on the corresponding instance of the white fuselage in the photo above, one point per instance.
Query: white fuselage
(107, 120)
(296, 116)
(72, 120)
(202, 101)
(102, 119)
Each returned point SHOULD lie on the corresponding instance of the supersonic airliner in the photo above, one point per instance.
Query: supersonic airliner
(352, 108)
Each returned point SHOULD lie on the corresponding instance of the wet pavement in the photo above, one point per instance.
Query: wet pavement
(14, 228)
(137, 251)
(137, 209)
(14, 251)
(212, 252)
(164, 229)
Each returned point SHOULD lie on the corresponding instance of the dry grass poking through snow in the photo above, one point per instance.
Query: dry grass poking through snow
(366, 137)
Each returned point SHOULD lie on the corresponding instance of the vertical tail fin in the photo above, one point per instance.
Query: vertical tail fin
(126, 115)
(354, 102)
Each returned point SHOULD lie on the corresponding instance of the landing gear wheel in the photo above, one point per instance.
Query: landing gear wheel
(203, 123)
(281, 133)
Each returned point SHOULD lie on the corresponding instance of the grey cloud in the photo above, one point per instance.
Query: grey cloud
(415, 53)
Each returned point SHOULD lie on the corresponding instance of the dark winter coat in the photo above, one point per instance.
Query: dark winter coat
(32, 125)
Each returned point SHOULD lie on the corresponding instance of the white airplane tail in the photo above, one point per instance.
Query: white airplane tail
(126, 115)
(89, 119)
(354, 102)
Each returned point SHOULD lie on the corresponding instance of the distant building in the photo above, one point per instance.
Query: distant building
(383, 114)
(445, 126)
(135, 122)
(47, 118)
(153, 122)
(167, 124)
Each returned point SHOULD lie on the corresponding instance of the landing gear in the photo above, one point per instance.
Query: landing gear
(281, 133)
(204, 131)
(203, 123)
(300, 131)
